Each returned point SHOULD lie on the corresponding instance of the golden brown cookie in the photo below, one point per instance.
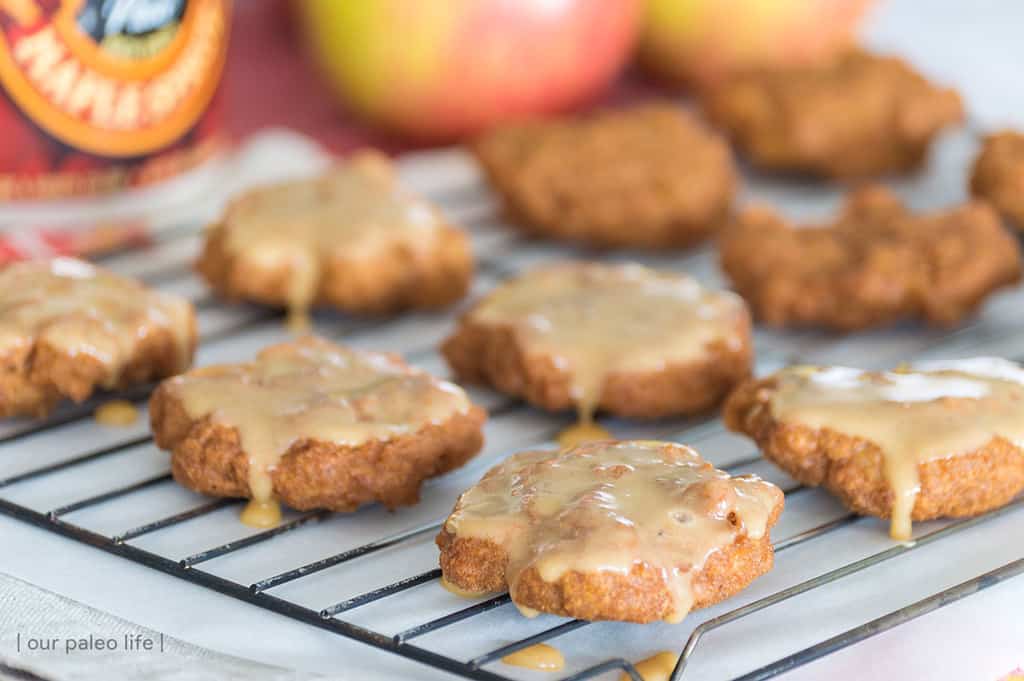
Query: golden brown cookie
(634, 530)
(860, 115)
(938, 439)
(350, 239)
(68, 328)
(315, 425)
(875, 264)
(651, 177)
(998, 175)
(624, 339)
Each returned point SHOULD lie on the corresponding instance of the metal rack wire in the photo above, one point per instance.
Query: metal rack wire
(256, 593)
(332, 616)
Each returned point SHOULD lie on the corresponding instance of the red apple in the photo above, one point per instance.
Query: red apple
(441, 69)
(698, 42)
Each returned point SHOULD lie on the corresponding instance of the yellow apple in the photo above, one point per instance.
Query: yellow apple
(441, 69)
(697, 42)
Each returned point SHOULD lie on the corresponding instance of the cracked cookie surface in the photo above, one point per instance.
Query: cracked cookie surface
(861, 115)
(998, 175)
(649, 177)
(876, 263)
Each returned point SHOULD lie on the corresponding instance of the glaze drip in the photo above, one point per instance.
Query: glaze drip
(541, 657)
(927, 411)
(311, 389)
(353, 210)
(79, 309)
(595, 320)
(613, 506)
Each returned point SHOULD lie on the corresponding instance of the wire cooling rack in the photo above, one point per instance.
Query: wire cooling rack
(110, 488)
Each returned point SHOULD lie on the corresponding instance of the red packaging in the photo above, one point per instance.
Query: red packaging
(102, 95)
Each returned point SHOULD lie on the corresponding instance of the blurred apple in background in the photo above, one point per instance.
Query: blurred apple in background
(437, 70)
(697, 42)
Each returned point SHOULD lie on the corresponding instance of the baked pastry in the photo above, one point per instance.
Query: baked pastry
(860, 115)
(998, 175)
(625, 339)
(634, 530)
(68, 328)
(350, 239)
(875, 264)
(315, 425)
(935, 439)
(650, 176)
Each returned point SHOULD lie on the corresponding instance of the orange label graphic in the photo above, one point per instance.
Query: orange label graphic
(111, 77)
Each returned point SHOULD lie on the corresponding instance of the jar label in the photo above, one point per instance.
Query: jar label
(112, 77)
